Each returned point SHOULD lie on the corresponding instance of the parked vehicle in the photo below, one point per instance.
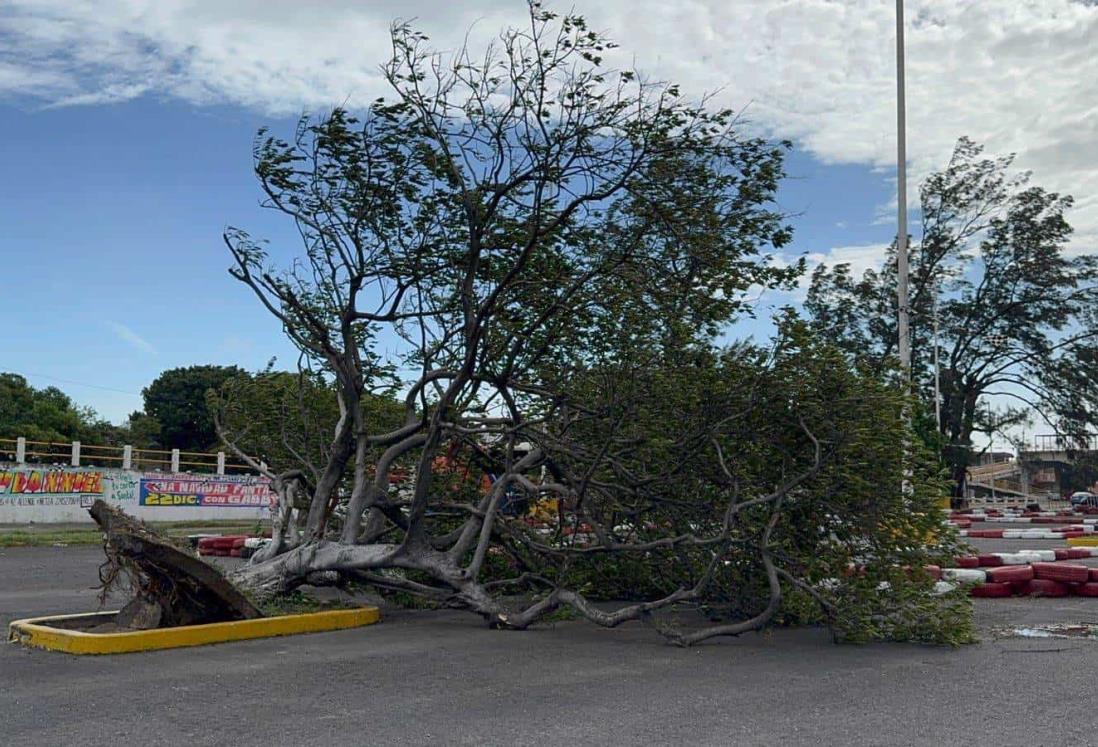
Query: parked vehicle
(1084, 498)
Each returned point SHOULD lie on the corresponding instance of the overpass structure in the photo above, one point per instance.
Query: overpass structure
(1046, 464)
(1037, 471)
(998, 479)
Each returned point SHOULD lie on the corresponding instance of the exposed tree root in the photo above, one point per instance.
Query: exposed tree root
(171, 586)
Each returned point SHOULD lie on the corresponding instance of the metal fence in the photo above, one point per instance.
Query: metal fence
(77, 454)
(1056, 442)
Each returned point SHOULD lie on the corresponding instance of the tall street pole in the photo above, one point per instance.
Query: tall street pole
(937, 368)
(904, 346)
(902, 323)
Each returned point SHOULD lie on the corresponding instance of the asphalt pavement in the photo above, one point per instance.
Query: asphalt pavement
(425, 678)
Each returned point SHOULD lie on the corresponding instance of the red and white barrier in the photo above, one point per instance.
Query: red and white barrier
(1026, 572)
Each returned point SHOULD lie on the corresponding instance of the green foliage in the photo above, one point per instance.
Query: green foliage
(298, 602)
(176, 399)
(287, 419)
(1016, 313)
(1082, 474)
(906, 611)
(46, 414)
(143, 431)
(850, 513)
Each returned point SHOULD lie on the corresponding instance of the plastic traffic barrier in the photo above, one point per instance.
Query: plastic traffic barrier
(1089, 589)
(1044, 587)
(968, 561)
(964, 575)
(1014, 558)
(1039, 555)
(1009, 573)
(1067, 572)
(992, 590)
(989, 560)
(943, 587)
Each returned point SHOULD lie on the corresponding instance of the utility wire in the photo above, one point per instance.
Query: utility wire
(25, 374)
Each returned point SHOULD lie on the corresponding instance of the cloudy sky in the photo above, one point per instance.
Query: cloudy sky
(128, 128)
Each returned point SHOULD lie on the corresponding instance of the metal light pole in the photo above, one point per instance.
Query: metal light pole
(902, 326)
(991, 444)
(937, 367)
(904, 346)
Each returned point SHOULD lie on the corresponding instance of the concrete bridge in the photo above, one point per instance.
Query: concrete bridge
(1038, 471)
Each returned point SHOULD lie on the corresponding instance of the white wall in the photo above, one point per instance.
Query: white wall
(50, 495)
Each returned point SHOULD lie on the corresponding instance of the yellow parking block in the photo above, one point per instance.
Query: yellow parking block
(40, 632)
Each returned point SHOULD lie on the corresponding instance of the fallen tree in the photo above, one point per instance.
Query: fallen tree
(551, 247)
(168, 585)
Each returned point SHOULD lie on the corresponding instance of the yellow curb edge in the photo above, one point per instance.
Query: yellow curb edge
(36, 631)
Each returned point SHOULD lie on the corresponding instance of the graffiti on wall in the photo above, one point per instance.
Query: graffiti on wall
(44, 487)
(65, 486)
(199, 491)
(50, 481)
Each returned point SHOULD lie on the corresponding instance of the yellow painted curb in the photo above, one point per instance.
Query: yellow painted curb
(37, 631)
(1091, 541)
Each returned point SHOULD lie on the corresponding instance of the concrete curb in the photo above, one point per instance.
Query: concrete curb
(38, 633)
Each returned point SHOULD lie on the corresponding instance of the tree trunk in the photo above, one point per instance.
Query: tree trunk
(172, 587)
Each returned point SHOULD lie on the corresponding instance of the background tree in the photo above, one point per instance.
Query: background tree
(547, 237)
(285, 421)
(47, 414)
(1016, 312)
(176, 399)
(143, 431)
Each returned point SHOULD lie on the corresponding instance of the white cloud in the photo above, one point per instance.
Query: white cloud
(127, 335)
(860, 257)
(1017, 75)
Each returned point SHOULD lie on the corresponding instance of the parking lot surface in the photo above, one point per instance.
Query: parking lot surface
(442, 678)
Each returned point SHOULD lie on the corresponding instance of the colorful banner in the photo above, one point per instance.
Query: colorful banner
(176, 491)
(50, 482)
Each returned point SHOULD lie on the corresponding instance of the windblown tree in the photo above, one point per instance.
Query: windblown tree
(554, 244)
(1016, 312)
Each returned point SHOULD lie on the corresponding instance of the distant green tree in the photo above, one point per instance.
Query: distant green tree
(287, 419)
(1082, 474)
(177, 401)
(143, 431)
(42, 414)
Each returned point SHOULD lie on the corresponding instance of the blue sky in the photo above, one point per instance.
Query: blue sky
(113, 216)
(127, 132)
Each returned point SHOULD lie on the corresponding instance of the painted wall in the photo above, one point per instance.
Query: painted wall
(50, 495)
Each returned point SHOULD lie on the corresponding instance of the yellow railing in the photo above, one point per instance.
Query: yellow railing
(23, 450)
